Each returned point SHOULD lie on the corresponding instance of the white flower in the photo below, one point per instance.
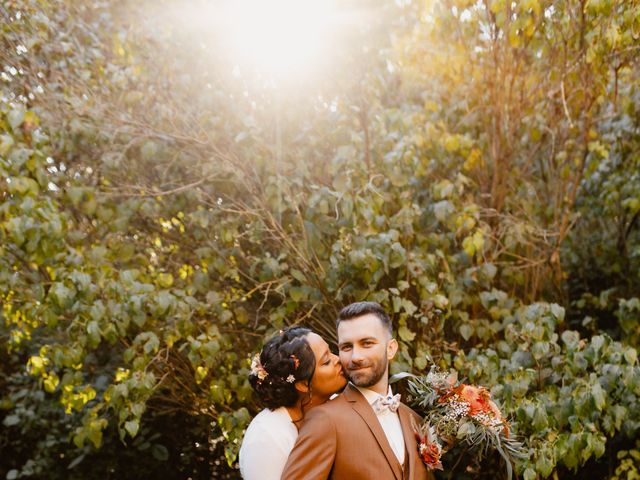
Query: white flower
(257, 369)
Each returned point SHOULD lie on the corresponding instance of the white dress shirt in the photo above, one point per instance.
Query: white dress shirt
(267, 444)
(390, 423)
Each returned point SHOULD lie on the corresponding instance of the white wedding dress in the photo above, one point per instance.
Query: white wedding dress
(267, 444)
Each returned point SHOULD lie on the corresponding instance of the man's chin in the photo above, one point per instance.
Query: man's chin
(362, 381)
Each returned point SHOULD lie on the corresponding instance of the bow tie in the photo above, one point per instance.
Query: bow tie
(389, 402)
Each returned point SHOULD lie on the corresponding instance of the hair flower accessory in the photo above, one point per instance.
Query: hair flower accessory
(257, 369)
(291, 378)
(296, 361)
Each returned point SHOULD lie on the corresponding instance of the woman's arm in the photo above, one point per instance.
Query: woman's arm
(262, 456)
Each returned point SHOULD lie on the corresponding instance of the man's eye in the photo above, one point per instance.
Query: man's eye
(345, 348)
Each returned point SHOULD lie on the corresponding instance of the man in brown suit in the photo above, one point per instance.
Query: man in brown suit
(365, 433)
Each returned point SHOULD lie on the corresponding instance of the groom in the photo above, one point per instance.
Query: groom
(365, 433)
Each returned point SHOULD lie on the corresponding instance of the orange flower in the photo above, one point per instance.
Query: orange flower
(430, 452)
(479, 400)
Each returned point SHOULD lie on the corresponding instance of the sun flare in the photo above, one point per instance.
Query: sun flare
(279, 38)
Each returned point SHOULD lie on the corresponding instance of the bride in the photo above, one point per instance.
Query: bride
(294, 372)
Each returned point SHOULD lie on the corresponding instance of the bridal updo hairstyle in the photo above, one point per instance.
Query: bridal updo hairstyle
(287, 353)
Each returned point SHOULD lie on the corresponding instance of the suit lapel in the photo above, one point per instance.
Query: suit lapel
(362, 408)
(408, 433)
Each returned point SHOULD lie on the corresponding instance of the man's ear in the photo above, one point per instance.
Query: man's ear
(302, 386)
(392, 348)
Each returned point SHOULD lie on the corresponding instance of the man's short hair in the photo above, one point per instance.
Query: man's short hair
(358, 309)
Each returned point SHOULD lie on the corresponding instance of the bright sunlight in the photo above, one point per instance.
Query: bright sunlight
(280, 38)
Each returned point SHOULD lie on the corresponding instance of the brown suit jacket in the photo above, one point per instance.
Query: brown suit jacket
(343, 440)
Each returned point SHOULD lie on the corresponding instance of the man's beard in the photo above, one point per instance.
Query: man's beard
(371, 377)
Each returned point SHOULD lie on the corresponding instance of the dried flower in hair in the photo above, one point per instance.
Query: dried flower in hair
(257, 369)
(291, 379)
(296, 362)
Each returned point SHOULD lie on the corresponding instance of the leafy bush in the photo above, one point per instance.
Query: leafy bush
(568, 394)
(150, 241)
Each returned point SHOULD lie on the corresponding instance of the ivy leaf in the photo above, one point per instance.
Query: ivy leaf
(149, 150)
(420, 363)
(406, 334)
(398, 255)
(544, 466)
(51, 381)
(164, 301)
(152, 344)
(15, 118)
(408, 306)
(443, 210)
(94, 433)
(164, 280)
(468, 246)
(61, 294)
(11, 420)
(160, 452)
(570, 338)
(298, 275)
(540, 420)
(598, 444)
(297, 294)
(599, 396)
(75, 194)
(557, 312)
(466, 331)
(93, 329)
(631, 355)
(490, 270)
(131, 426)
(6, 142)
(597, 341)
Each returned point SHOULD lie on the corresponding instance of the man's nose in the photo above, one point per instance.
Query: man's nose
(356, 355)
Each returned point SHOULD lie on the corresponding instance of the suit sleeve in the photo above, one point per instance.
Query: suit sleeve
(314, 453)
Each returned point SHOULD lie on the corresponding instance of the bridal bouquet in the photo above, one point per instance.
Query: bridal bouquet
(456, 414)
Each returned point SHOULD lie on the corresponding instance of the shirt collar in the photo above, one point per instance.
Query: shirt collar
(370, 395)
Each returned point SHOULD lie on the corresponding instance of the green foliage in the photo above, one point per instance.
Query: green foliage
(568, 395)
(481, 164)
(628, 465)
(627, 313)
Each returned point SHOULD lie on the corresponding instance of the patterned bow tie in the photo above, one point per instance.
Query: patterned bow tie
(390, 402)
